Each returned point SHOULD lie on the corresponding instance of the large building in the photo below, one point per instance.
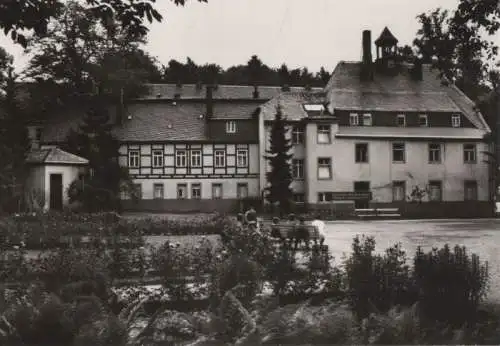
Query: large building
(380, 129)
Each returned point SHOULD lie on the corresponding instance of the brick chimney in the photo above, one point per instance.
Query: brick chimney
(209, 101)
(417, 71)
(367, 61)
(255, 91)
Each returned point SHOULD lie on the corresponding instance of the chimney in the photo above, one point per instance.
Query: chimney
(367, 61)
(255, 91)
(210, 102)
(417, 71)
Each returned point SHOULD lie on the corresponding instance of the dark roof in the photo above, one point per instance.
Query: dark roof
(386, 37)
(235, 110)
(346, 91)
(292, 105)
(54, 156)
(436, 133)
(225, 92)
(163, 122)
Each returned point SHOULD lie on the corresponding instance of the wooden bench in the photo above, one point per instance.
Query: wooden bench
(285, 229)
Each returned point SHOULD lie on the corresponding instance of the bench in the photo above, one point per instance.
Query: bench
(378, 212)
(286, 229)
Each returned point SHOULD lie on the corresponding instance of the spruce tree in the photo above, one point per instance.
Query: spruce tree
(280, 176)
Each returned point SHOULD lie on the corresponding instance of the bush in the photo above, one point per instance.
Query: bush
(375, 282)
(451, 283)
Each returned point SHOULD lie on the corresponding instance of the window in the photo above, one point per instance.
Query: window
(242, 157)
(367, 119)
(217, 191)
(469, 153)
(361, 152)
(298, 198)
(323, 134)
(401, 120)
(220, 158)
(231, 126)
(242, 190)
(181, 191)
(297, 169)
(325, 197)
(157, 158)
(455, 120)
(398, 191)
(133, 158)
(434, 153)
(297, 135)
(435, 191)
(422, 120)
(353, 119)
(138, 190)
(470, 190)
(398, 152)
(324, 168)
(195, 158)
(196, 191)
(180, 158)
(158, 191)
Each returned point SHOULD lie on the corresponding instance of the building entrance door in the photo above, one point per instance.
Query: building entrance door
(361, 186)
(56, 192)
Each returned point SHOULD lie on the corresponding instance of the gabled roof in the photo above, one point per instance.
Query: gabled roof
(54, 156)
(222, 92)
(292, 105)
(346, 91)
(386, 37)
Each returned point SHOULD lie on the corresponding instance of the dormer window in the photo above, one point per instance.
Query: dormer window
(367, 119)
(401, 120)
(455, 120)
(314, 108)
(354, 119)
(422, 120)
(231, 126)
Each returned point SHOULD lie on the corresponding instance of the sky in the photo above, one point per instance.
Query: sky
(300, 33)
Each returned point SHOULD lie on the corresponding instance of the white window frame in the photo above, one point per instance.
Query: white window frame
(435, 148)
(196, 187)
(157, 156)
(401, 116)
(181, 158)
(297, 134)
(470, 153)
(182, 187)
(215, 187)
(439, 184)
(239, 187)
(367, 119)
(134, 158)
(242, 158)
(456, 120)
(322, 131)
(298, 169)
(354, 119)
(195, 156)
(327, 164)
(231, 126)
(219, 158)
(356, 146)
(423, 116)
(396, 185)
(323, 197)
(403, 149)
(162, 189)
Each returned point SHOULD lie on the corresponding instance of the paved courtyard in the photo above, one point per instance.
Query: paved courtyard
(479, 236)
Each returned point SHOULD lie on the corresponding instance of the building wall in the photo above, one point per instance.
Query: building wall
(69, 174)
(36, 180)
(380, 171)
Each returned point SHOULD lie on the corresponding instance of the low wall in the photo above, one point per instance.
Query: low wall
(182, 205)
(437, 210)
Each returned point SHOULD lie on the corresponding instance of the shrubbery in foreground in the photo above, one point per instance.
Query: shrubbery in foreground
(371, 299)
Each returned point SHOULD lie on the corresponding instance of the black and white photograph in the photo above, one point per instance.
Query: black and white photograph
(249, 172)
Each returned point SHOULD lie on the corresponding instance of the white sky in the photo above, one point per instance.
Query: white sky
(310, 33)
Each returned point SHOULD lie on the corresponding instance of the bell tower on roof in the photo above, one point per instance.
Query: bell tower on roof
(387, 46)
